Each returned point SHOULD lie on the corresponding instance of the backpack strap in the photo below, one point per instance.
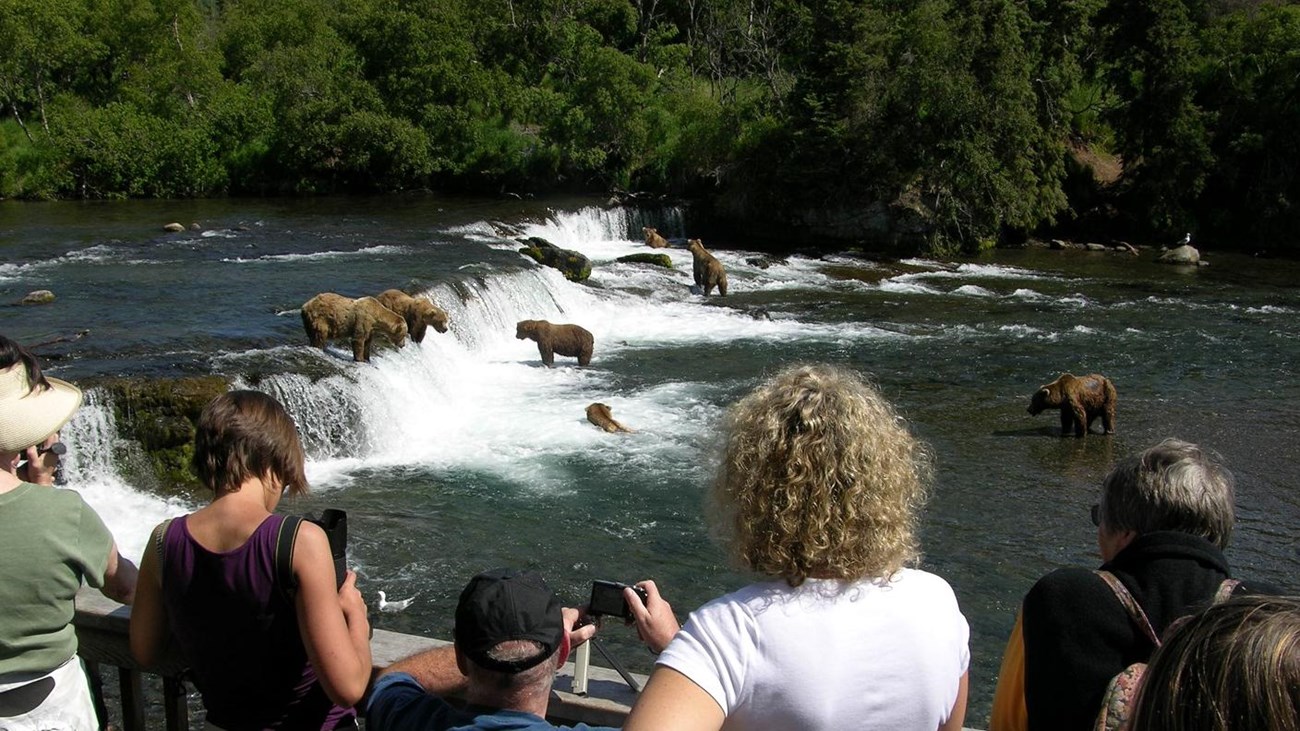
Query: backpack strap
(284, 543)
(1130, 604)
(156, 540)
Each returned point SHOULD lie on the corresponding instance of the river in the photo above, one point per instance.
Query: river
(464, 453)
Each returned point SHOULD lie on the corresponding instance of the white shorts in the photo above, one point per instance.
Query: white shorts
(57, 701)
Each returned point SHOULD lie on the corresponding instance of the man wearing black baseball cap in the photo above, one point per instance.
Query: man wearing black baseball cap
(511, 636)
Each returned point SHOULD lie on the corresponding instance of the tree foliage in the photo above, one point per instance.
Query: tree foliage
(971, 114)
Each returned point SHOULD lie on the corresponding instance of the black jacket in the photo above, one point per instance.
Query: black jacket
(1078, 636)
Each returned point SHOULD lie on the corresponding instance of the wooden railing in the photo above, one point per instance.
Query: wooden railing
(102, 636)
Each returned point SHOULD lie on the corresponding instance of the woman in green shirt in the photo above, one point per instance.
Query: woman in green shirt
(50, 540)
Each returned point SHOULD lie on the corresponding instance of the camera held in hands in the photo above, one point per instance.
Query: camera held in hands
(607, 599)
(335, 524)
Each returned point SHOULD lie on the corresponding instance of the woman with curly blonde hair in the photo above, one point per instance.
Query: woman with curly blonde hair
(818, 491)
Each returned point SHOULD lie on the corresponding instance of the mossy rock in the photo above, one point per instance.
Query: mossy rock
(659, 260)
(573, 264)
(159, 416)
(38, 297)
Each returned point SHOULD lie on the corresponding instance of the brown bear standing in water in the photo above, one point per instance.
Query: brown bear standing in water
(599, 414)
(569, 340)
(1081, 400)
(330, 316)
(708, 270)
(653, 239)
(418, 312)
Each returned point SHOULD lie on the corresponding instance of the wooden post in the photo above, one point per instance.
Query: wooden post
(175, 708)
(132, 699)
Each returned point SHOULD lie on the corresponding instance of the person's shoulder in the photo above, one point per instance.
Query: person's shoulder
(1068, 587)
(920, 579)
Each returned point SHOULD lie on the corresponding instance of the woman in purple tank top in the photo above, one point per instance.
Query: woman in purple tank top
(262, 655)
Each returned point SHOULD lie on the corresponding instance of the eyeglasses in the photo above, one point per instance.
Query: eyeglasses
(1096, 514)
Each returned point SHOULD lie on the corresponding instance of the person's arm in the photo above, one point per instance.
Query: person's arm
(656, 624)
(958, 715)
(1009, 698)
(149, 631)
(120, 577)
(335, 629)
(672, 701)
(435, 670)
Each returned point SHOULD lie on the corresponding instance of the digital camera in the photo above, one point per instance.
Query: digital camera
(607, 599)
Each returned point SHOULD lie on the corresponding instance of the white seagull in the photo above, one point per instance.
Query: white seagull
(1187, 239)
(387, 606)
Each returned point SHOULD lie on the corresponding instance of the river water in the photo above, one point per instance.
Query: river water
(464, 453)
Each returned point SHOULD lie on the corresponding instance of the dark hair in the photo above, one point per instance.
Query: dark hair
(1174, 486)
(1235, 665)
(11, 352)
(243, 434)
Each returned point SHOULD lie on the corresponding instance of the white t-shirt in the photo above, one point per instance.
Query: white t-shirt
(829, 654)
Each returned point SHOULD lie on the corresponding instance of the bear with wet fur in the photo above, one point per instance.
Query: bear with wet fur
(418, 312)
(653, 239)
(600, 415)
(329, 316)
(708, 270)
(1081, 399)
(557, 339)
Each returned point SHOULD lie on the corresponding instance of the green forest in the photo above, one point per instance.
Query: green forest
(947, 125)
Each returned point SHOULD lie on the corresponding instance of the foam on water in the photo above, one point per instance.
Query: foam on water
(477, 398)
(316, 255)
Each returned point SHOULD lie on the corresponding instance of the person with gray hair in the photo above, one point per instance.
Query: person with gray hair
(1163, 521)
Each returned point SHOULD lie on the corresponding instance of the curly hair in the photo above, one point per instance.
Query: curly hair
(820, 478)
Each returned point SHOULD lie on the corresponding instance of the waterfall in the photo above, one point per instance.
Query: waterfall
(89, 467)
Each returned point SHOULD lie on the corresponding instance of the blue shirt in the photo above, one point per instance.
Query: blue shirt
(398, 703)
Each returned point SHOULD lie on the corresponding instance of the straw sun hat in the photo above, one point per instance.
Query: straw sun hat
(27, 417)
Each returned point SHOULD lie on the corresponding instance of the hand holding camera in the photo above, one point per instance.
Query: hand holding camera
(45, 467)
(608, 599)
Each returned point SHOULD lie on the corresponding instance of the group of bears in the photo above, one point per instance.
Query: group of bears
(397, 315)
(392, 313)
(708, 271)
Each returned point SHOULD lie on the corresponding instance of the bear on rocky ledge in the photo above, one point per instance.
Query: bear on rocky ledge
(329, 316)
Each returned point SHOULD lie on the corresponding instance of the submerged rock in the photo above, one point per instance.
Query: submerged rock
(661, 260)
(173, 227)
(38, 297)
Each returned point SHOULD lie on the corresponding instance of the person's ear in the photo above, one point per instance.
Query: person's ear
(562, 656)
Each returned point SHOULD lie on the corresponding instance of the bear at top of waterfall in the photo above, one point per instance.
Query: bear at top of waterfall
(1081, 400)
(418, 312)
(600, 415)
(329, 316)
(653, 239)
(561, 339)
(708, 270)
